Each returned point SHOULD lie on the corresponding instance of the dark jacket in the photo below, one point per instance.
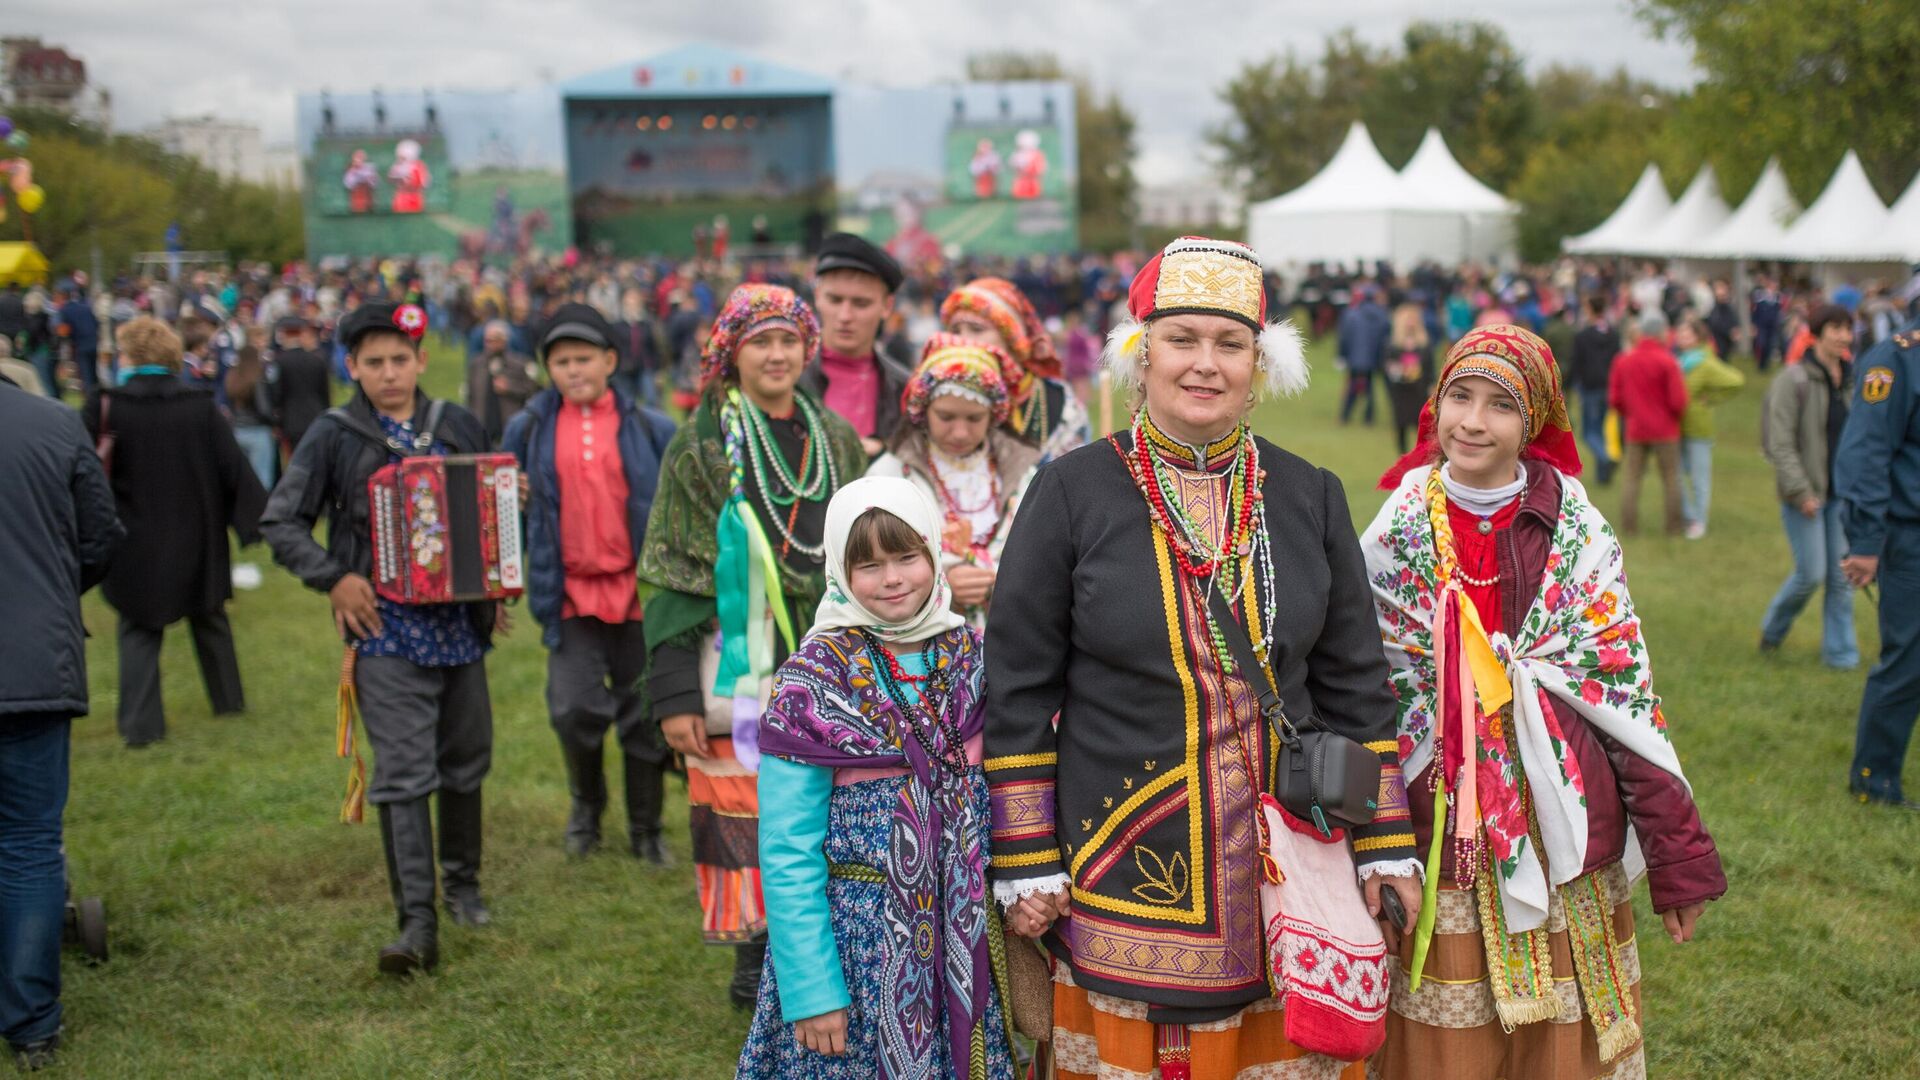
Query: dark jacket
(302, 390)
(328, 477)
(1364, 330)
(495, 408)
(1594, 348)
(180, 481)
(643, 438)
(1622, 788)
(894, 377)
(56, 537)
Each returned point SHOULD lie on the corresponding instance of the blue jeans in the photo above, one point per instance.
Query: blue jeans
(33, 881)
(262, 450)
(1818, 544)
(1696, 476)
(1593, 429)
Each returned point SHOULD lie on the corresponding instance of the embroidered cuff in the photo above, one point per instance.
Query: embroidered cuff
(1023, 812)
(1395, 868)
(1011, 892)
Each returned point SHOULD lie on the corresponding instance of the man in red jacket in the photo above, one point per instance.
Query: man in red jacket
(1648, 392)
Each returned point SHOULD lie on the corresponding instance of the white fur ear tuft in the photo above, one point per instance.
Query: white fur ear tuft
(1126, 352)
(1285, 358)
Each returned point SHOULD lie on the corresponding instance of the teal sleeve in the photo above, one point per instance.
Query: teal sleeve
(793, 881)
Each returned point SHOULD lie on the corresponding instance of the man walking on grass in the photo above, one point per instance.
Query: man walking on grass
(56, 537)
(1646, 388)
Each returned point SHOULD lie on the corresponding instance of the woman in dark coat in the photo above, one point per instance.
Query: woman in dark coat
(180, 482)
(1409, 368)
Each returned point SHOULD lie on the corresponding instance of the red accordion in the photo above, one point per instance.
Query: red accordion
(447, 529)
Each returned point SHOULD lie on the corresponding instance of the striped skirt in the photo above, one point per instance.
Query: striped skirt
(1450, 1028)
(1098, 1037)
(724, 801)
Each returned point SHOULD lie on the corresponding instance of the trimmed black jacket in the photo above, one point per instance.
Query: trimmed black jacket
(328, 476)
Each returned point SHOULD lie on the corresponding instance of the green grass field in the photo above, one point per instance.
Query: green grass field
(244, 920)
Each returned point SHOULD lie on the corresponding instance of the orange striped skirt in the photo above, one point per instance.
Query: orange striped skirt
(1098, 1037)
(1450, 1028)
(724, 814)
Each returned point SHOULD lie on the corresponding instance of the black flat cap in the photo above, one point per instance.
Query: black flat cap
(385, 315)
(576, 322)
(845, 251)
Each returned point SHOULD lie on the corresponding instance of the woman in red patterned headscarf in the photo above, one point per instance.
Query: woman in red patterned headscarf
(993, 311)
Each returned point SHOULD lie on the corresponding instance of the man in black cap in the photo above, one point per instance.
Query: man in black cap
(418, 670)
(302, 380)
(853, 287)
(591, 456)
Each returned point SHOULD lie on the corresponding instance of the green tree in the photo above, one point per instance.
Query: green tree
(1465, 79)
(1804, 80)
(1596, 136)
(1104, 142)
(1286, 116)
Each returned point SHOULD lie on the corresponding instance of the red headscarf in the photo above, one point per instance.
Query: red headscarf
(1523, 365)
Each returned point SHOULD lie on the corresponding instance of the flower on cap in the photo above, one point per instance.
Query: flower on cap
(951, 364)
(1000, 302)
(411, 319)
(1195, 275)
(750, 310)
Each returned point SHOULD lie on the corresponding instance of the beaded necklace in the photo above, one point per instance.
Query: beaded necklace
(932, 690)
(750, 444)
(958, 518)
(1247, 552)
(1030, 416)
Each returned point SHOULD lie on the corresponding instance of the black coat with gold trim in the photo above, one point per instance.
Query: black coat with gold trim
(1146, 794)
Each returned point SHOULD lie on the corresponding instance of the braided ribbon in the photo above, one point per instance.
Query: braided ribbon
(346, 703)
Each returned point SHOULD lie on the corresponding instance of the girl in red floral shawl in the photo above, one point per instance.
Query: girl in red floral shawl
(1543, 778)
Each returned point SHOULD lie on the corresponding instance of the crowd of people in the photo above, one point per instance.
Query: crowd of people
(949, 677)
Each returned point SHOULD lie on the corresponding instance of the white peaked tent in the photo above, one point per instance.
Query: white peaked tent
(1699, 211)
(1436, 180)
(1627, 231)
(1357, 210)
(1847, 223)
(1906, 219)
(1759, 227)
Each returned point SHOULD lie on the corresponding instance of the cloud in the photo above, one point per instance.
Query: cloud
(1165, 58)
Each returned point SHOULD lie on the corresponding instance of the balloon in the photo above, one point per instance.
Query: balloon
(17, 140)
(22, 175)
(32, 199)
(6, 126)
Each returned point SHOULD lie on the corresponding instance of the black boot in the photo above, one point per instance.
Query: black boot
(587, 783)
(646, 791)
(407, 829)
(748, 959)
(460, 857)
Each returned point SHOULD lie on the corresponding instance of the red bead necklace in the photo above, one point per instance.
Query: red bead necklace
(1146, 478)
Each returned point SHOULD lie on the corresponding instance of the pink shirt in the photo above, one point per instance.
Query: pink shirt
(853, 389)
(596, 547)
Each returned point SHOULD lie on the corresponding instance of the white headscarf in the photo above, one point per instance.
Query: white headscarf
(838, 608)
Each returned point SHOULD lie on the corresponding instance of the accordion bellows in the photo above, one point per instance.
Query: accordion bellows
(447, 529)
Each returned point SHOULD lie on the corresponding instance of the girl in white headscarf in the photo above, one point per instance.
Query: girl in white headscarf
(874, 865)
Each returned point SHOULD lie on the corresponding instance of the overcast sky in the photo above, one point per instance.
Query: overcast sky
(1166, 58)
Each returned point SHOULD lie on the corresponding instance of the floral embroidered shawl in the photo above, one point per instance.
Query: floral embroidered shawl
(829, 710)
(1580, 642)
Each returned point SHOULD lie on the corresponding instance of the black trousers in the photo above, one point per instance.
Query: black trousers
(593, 683)
(431, 728)
(141, 716)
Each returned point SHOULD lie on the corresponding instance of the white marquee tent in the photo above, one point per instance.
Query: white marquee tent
(1847, 223)
(1628, 230)
(1695, 215)
(1906, 219)
(1758, 227)
(1357, 209)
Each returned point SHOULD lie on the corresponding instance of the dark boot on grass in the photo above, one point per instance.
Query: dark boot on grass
(646, 794)
(748, 959)
(38, 1054)
(587, 783)
(407, 830)
(460, 858)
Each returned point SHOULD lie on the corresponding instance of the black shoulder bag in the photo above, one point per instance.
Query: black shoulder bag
(1324, 777)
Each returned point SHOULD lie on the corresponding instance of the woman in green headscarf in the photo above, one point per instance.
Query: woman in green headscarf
(734, 554)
